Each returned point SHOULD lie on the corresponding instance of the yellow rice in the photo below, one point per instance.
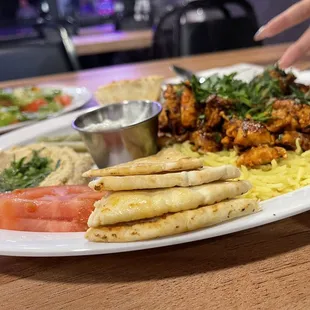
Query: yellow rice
(277, 178)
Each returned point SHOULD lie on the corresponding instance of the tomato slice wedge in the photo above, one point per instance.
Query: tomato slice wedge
(64, 100)
(34, 225)
(48, 209)
(35, 105)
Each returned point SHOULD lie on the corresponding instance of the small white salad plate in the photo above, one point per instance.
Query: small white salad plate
(80, 95)
(16, 243)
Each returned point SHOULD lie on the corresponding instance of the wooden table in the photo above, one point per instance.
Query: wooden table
(97, 29)
(92, 41)
(262, 268)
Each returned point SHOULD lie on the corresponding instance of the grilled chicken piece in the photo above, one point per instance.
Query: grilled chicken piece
(206, 141)
(228, 143)
(288, 139)
(213, 117)
(289, 115)
(188, 108)
(163, 120)
(303, 116)
(231, 127)
(170, 117)
(261, 155)
(284, 116)
(214, 111)
(252, 133)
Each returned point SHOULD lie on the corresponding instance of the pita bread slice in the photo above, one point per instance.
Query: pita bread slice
(166, 160)
(147, 88)
(135, 205)
(168, 180)
(175, 223)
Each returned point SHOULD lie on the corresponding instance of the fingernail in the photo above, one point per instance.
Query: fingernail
(259, 34)
(282, 64)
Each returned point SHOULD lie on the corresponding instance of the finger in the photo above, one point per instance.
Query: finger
(296, 50)
(294, 15)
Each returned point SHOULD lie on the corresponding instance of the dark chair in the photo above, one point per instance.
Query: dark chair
(225, 31)
(163, 36)
(12, 31)
(166, 35)
(39, 57)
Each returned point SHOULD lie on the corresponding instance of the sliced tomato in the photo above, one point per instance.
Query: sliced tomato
(35, 105)
(66, 204)
(64, 100)
(57, 191)
(42, 225)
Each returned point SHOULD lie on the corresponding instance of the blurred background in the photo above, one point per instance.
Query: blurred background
(174, 27)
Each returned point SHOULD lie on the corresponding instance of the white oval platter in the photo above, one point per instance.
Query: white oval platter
(16, 243)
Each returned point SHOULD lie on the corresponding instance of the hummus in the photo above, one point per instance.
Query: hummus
(71, 164)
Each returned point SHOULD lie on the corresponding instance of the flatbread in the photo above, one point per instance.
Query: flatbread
(168, 180)
(175, 223)
(167, 160)
(135, 205)
(147, 88)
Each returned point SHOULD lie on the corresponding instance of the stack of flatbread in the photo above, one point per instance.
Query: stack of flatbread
(147, 88)
(162, 195)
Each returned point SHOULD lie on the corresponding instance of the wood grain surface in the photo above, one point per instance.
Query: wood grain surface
(97, 29)
(262, 268)
(98, 43)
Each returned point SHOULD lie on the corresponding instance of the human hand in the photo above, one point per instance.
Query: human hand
(294, 15)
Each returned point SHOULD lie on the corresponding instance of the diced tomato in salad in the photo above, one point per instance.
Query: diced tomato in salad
(64, 100)
(35, 105)
(48, 209)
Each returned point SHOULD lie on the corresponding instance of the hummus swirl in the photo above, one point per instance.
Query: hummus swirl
(70, 168)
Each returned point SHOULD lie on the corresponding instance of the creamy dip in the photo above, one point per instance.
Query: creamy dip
(132, 117)
(107, 124)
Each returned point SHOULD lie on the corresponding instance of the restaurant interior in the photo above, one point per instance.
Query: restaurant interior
(83, 34)
(154, 154)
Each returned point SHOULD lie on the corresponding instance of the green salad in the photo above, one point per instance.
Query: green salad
(30, 103)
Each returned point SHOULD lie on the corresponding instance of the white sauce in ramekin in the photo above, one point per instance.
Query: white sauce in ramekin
(130, 119)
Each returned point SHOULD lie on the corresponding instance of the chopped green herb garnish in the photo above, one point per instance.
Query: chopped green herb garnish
(254, 99)
(25, 174)
(226, 87)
